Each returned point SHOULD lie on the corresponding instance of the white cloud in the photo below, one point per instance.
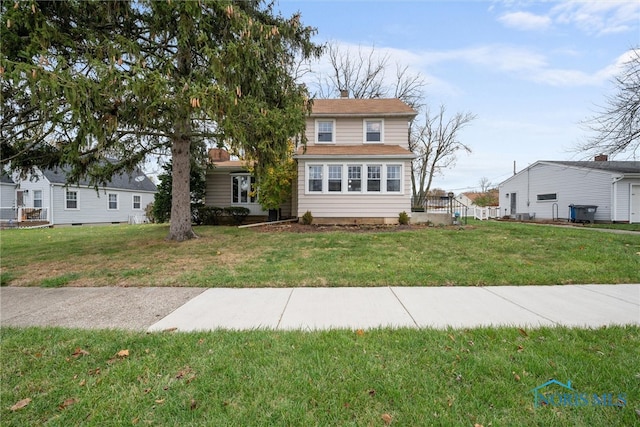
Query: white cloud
(525, 21)
(598, 17)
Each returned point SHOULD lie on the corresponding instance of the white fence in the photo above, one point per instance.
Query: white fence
(487, 212)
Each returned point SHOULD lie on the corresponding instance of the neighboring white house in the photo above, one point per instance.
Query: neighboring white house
(47, 196)
(545, 190)
(355, 168)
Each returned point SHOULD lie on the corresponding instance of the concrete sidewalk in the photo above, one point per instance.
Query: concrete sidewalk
(189, 309)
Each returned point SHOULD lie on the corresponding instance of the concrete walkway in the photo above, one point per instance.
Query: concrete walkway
(189, 309)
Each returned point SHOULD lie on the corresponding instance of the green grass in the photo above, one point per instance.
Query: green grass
(487, 253)
(339, 377)
(627, 227)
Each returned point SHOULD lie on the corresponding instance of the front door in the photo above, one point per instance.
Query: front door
(513, 203)
(635, 203)
(20, 198)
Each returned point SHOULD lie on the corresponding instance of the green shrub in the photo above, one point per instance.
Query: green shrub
(307, 218)
(403, 218)
(238, 213)
(210, 215)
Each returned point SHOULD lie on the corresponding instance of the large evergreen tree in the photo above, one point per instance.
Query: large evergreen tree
(83, 81)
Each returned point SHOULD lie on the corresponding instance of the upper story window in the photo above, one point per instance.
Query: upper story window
(37, 198)
(373, 130)
(71, 199)
(325, 131)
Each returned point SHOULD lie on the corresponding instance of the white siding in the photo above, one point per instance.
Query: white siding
(7, 195)
(572, 186)
(623, 191)
(93, 205)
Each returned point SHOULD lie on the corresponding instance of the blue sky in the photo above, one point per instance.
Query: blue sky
(530, 71)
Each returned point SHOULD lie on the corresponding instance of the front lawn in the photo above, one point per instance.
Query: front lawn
(403, 377)
(484, 253)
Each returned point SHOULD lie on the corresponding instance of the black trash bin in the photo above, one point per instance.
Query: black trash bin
(582, 213)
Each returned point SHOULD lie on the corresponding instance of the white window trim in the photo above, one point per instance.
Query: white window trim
(117, 208)
(364, 131)
(363, 178)
(133, 204)
(77, 208)
(333, 133)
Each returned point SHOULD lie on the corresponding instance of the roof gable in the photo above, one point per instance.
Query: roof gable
(361, 107)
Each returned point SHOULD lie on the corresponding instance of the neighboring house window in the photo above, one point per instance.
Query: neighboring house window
(137, 202)
(243, 189)
(315, 178)
(71, 199)
(37, 198)
(393, 177)
(324, 130)
(547, 197)
(113, 201)
(335, 178)
(373, 178)
(355, 178)
(373, 130)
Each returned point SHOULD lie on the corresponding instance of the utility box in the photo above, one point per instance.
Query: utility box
(582, 213)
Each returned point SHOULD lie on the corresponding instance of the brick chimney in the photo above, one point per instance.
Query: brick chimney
(219, 155)
(601, 158)
(344, 94)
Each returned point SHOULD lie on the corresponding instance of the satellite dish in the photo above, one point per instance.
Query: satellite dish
(139, 178)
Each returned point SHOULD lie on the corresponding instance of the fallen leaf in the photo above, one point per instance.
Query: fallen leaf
(170, 330)
(520, 348)
(452, 337)
(183, 372)
(523, 332)
(21, 404)
(516, 376)
(68, 402)
(159, 400)
(478, 425)
(372, 392)
(193, 405)
(123, 353)
(360, 332)
(80, 352)
(386, 418)
(82, 383)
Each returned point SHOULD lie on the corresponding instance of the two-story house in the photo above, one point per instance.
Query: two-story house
(355, 168)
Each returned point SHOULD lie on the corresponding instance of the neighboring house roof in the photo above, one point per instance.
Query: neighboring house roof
(5, 178)
(609, 166)
(361, 107)
(135, 181)
(367, 150)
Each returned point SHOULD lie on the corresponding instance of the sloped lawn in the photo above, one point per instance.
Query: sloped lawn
(484, 253)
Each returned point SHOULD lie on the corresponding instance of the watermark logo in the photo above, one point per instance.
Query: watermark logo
(555, 393)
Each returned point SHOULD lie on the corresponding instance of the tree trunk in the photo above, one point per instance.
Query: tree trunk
(180, 226)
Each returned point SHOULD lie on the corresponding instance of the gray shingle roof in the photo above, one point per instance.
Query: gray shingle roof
(5, 178)
(609, 166)
(136, 180)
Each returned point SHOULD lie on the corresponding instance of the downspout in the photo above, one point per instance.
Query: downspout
(51, 204)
